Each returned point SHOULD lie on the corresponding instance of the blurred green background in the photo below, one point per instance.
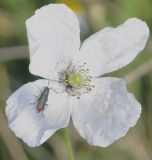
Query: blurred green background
(93, 16)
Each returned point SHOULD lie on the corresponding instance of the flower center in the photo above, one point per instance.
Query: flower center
(77, 80)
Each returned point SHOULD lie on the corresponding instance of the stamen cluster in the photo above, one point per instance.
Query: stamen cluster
(77, 80)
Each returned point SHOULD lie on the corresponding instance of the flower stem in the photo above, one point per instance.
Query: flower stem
(68, 144)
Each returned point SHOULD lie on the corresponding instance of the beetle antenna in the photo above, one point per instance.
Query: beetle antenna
(54, 90)
(59, 81)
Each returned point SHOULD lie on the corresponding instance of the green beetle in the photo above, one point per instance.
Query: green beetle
(43, 99)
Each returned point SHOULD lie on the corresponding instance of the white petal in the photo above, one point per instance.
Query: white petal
(107, 113)
(53, 34)
(32, 127)
(113, 48)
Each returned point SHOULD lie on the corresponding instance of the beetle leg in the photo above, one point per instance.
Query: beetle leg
(40, 89)
(36, 96)
(34, 102)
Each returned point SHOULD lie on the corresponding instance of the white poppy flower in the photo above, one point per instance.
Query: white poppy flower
(101, 109)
